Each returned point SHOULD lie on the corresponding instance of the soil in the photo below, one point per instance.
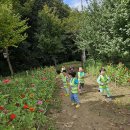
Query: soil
(96, 111)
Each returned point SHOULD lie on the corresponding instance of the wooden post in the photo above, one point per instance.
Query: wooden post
(9, 63)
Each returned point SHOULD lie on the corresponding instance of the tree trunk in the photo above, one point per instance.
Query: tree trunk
(55, 61)
(83, 57)
(9, 63)
(83, 51)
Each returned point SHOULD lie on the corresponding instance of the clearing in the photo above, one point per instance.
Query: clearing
(96, 112)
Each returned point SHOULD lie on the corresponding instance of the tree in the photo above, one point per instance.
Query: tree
(12, 29)
(105, 33)
(49, 32)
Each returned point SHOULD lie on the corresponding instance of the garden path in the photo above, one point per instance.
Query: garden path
(96, 112)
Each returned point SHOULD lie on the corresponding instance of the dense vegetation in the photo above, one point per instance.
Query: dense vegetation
(43, 32)
(26, 98)
(44, 24)
(106, 30)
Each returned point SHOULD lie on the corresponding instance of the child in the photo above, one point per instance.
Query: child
(65, 82)
(74, 89)
(62, 69)
(103, 81)
(81, 76)
(71, 69)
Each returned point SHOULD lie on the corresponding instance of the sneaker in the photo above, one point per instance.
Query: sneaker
(78, 105)
(109, 98)
(66, 95)
(73, 104)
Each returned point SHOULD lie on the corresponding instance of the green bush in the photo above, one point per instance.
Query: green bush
(119, 74)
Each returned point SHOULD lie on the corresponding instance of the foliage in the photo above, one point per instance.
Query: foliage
(105, 32)
(119, 74)
(49, 31)
(48, 40)
(11, 26)
(27, 97)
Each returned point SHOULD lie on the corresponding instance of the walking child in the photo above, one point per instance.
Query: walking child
(81, 76)
(64, 78)
(74, 90)
(103, 81)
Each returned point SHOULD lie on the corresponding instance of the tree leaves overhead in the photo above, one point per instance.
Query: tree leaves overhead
(11, 27)
(106, 29)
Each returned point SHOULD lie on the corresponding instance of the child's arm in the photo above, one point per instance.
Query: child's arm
(108, 79)
(99, 81)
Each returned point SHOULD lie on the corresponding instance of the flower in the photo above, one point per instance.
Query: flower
(5, 111)
(17, 104)
(22, 95)
(41, 110)
(39, 102)
(44, 78)
(33, 85)
(12, 116)
(48, 100)
(6, 81)
(1, 108)
(32, 109)
(31, 95)
(25, 106)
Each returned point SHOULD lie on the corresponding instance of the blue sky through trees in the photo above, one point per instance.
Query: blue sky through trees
(75, 3)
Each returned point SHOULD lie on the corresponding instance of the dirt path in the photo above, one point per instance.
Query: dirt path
(95, 113)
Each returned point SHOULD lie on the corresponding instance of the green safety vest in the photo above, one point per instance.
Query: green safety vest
(81, 77)
(104, 79)
(64, 79)
(74, 87)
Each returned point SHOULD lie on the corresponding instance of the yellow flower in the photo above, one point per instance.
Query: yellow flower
(31, 95)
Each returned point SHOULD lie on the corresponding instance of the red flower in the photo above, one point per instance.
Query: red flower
(1, 108)
(25, 106)
(12, 116)
(32, 109)
(6, 81)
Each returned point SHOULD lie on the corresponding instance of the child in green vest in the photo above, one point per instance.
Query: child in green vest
(74, 89)
(64, 78)
(81, 76)
(103, 81)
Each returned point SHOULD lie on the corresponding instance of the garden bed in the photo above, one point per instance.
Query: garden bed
(25, 99)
